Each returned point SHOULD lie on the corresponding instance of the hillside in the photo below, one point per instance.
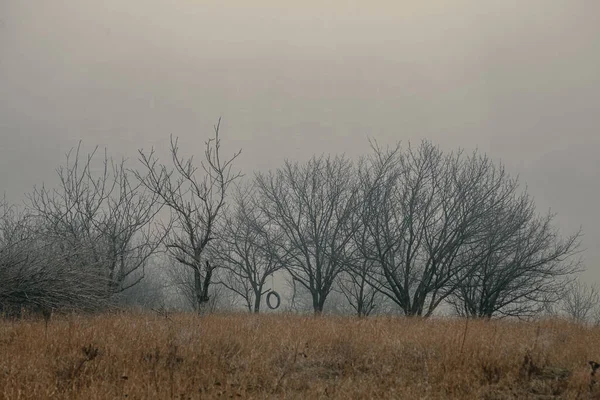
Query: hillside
(183, 356)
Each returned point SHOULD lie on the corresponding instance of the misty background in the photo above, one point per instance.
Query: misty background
(517, 80)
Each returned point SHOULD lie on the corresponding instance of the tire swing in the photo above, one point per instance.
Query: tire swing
(270, 296)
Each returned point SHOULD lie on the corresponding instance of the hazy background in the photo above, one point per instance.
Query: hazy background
(519, 80)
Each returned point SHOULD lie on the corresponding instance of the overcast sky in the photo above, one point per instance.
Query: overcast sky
(518, 79)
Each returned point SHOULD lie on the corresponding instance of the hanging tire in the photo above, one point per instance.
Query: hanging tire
(269, 300)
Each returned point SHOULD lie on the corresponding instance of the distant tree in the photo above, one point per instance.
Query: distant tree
(37, 277)
(520, 262)
(248, 248)
(354, 285)
(196, 204)
(151, 292)
(421, 208)
(434, 224)
(98, 219)
(581, 302)
(301, 300)
(311, 205)
(181, 278)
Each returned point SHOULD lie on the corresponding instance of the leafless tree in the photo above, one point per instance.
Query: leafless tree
(581, 302)
(423, 211)
(248, 247)
(196, 204)
(521, 263)
(311, 205)
(354, 285)
(151, 292)
(301, 300)
(180, 278)
(99, 219)
(35, 276)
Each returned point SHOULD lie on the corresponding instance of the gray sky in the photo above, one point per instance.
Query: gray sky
(517, 79)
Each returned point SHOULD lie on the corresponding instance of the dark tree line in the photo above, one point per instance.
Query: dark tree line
(412, 226)
(248, 248)
(312, 206)
(89, 239)
(419, 226)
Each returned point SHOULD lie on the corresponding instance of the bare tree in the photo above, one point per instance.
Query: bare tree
(356, 289)
(311, 205)
(106, 213)
(37, 277)
(301, 300)
(181, 279)
(196, 204)
(151, 292)
(248, 248)
(522, 264)
(361, 292)
(423, 210)
(581, 302)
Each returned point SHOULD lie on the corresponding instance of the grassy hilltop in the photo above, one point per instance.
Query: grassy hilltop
(183, 356)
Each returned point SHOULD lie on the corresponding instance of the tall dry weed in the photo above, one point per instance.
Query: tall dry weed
(145, 356)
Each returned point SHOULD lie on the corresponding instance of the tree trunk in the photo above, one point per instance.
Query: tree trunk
(198, 290)
(318, 303)
(201, 287)
(257, 298)
(360, 308)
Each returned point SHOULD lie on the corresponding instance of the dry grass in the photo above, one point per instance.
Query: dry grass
(282, 356)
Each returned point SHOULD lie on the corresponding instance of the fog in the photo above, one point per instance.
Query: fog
(517, 80)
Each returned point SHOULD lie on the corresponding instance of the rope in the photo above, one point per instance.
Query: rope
(270, 296)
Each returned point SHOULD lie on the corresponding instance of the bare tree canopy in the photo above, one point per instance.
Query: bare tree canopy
(312, 204)
(430, 220)
(248, 247)
(196, 204)
(581, 302)
(108, 213)
(412, 227)
(354, 285)
(416, 223)
(520, 264)
(38, 274)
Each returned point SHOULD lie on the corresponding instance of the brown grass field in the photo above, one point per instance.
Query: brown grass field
(147, 356)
